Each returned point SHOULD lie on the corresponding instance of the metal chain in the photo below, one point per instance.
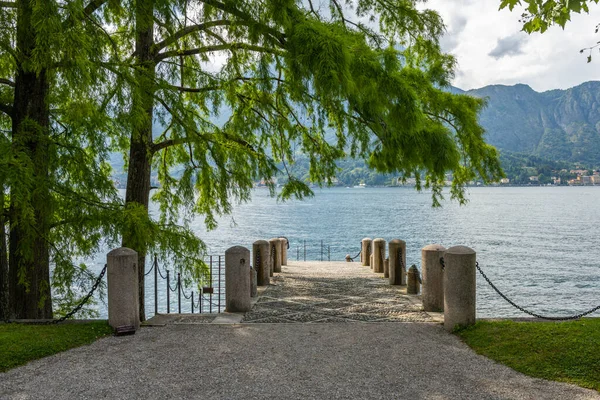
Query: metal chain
(286, 241)
(577, 316)
(83, 301)
(152, 267)
(257, 260)
(187, 297)
(160, 273)
(273, 253)
(400, 259)
(169, 284)
(442, 263)
(352, 258)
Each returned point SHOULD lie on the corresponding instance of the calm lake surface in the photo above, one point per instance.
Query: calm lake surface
(539, 245)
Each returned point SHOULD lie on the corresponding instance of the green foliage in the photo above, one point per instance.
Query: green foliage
(565, 351)
(541, 14)
(278, 75)
(69, 169)
(20, 344)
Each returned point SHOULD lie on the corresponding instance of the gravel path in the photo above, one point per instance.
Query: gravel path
(318, 292)
(189, 357)
(278, 361)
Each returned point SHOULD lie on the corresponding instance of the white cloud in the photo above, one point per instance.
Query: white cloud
(490, 48)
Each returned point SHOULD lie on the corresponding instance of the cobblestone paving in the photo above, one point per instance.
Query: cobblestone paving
(316, 292)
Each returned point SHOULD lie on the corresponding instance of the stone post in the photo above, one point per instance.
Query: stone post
(432, 292)
(397, 262)
(260, 251)
(365, 255)
(371, 260)
(284, 250)
(277, 260)
(237, 279)
(386, 268)
(122, 279)
(348, 258)
(413, 281)
(378, 254)
(459, 287)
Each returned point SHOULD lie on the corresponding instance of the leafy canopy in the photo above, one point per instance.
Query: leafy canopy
(541, 14)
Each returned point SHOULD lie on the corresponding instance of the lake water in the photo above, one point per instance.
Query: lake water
(539, 245)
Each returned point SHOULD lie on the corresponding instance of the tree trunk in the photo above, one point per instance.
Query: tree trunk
(140, 155)
(4, 314)
(29, 258)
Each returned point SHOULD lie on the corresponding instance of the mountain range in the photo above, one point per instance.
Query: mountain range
(530, 127)
(558, 125)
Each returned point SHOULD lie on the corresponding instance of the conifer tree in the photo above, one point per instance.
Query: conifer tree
(53, 148)
(281, 75)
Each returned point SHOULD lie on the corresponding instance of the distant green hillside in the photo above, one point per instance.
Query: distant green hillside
(559, 125)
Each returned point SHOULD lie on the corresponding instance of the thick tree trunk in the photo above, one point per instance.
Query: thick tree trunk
(140, 155)
(4, 307)
(29, 259)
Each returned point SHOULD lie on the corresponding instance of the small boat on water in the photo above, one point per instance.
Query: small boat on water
(360, 186)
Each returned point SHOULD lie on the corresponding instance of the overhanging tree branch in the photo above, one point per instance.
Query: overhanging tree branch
(7, 82)
(219, 47)
(246, 17)
(8, 4)
(189, 30)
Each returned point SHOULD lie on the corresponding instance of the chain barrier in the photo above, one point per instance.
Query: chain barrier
(400, 258)
(160, 273)
(184, 295)
(83, 301)
(154, 265)
(533, 314)
(169, 284)
(352, 258)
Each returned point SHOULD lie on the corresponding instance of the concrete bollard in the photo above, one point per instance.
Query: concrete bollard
(378, 254)
(348, 258)
(365, 255)
(459, 287)
(284, 250)
(276, 257)
(260, 251)
(386, 268)
(253, 282)
(433, 277)
(371, 260)
(122, 279)
(413, 281)
(397, 250)
(237, 279)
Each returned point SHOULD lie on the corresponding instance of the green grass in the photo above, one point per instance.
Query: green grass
(565, 351)
(20, 344)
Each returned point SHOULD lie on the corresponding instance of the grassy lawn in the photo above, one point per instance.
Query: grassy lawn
(565, 351)
(20, 344)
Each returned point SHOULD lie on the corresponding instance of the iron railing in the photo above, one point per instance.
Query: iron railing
(210, 299)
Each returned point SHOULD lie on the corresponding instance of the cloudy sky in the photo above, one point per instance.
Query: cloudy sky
(490, 48)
